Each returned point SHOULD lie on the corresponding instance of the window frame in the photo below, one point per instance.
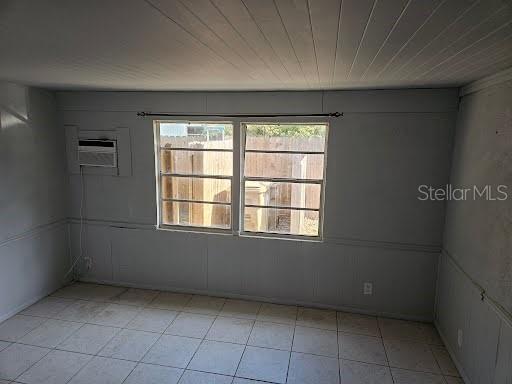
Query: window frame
(238, 180)
(159, 176)
(278, 235)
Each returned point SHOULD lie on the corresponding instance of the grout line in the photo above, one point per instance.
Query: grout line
(385, 351)
(183, 310)
(291, 347)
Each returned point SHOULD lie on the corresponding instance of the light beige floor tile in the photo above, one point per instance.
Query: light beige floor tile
(243, 309)
(409, 331)
(402, 376)
(195, 377)
(129, 345)
(17, 358)
(154, 374)
(312, 369)
(172, 351)
(366, 349)
(271, 335)
(315, 341)
(410, 355)
(355, 372)
(51, 333)
(264, 364)
(276, 313)
(57, 367)
(89, 339)
(445, 361)
(135, 296)
(115, 315)
(18, 326)
(170, 301)
(356, 323)
(230, 330)
(205, 305)
(191, 325)
(48, 307)
(217, 357)
(101, 370)
(81, 311)
(317, 318)
(87, 291)
(152, 320)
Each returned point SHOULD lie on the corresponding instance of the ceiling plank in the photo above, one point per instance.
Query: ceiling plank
(489, 27)
(241, 20)
(354, 18)
(440, 20)
(325, 16)
(266, 15)
(466, 21)
(384, 17)
(480, 59)
(296, 20)
(417, 13)
(207, 12)
(188, 21)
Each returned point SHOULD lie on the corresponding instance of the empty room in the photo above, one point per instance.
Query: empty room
(256, 192)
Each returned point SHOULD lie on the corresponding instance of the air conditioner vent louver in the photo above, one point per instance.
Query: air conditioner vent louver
(97, 153)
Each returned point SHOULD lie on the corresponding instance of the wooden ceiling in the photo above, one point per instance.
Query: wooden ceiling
(253, 44)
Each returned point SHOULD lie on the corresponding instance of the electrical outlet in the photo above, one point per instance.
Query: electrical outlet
(368, 288)
(459, 337)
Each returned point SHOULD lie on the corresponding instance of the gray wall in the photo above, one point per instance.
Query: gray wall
(375, 230)
(33, 193)
(478, 241)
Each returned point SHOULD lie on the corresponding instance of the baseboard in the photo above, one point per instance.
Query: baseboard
(27, 304)
(452, 355)
(273, 300)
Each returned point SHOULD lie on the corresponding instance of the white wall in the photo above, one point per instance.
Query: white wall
(375, 230)
(478, 239)
(33, 193)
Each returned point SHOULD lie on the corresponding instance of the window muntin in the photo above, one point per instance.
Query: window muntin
(195, 173)
(283, 178)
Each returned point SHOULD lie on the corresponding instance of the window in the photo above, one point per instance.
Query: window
(195, 173)
(279, 182)
(283, 178)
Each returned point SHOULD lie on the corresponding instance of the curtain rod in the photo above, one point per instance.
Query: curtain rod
(331, 114)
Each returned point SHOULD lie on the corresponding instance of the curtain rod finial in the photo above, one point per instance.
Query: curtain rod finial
(142, 114)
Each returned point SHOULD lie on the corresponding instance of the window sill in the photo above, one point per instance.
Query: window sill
(230, 232)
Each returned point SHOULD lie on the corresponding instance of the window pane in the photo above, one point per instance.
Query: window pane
(196, 214)
(196, 135)
(195, 188)
(284, 165)
(197, 162)
(298, 195)
(282, 221)
(286, 137)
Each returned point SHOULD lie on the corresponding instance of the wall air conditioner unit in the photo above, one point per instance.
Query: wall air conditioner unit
(97, 153)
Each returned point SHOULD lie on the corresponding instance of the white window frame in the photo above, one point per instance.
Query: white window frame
(160, 175)
(321, 182)
(238, 180)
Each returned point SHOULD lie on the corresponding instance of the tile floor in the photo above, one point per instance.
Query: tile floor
(96, 334)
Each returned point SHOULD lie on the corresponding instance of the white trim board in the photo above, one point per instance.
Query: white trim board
(165, 288)
(486, 82)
